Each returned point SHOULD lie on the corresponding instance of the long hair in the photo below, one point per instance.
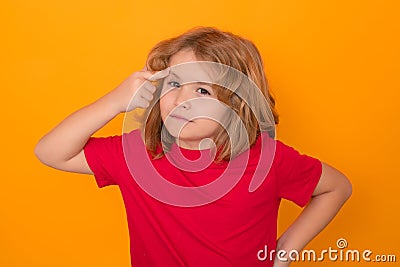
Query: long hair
(211, 44)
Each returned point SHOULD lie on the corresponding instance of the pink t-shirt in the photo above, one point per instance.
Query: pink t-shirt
(227, 232)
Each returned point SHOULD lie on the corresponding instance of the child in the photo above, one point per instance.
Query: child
(228, 229)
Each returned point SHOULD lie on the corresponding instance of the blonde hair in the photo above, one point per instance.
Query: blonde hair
(211, 44)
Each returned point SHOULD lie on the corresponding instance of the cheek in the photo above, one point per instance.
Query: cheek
(207, 125)
(165, 106)
(211, 108)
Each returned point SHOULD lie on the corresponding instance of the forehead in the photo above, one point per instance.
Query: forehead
(189, 72)
(185, 66)
(183, 56)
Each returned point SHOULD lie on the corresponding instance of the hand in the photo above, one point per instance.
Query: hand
(278, 263)
(137, 91)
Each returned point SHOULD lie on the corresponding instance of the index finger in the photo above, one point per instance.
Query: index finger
(159, 75)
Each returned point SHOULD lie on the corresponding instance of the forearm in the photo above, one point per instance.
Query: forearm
(69, 137)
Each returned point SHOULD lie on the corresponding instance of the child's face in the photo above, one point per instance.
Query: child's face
(190, 110)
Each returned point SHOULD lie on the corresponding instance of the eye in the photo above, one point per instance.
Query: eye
(174, 84)
(203, 91)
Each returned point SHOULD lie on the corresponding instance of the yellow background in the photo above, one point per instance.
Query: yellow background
(333, 66)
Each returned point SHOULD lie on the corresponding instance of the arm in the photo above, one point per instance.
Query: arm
(331, 193)
(62, 147)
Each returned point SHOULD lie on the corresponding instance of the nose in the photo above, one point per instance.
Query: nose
(182, 95)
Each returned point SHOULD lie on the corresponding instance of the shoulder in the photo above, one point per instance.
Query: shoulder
(112, 144)
(284, 150)
(289, 159)
(278, 150)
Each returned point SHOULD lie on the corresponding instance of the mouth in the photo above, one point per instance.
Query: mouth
(180, 118)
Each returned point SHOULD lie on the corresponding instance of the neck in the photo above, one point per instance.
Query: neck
(206, 143)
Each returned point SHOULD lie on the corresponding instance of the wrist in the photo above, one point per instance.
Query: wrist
(111, 105)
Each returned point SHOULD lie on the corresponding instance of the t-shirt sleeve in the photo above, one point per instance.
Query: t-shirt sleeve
(297, 174)
(102, 155)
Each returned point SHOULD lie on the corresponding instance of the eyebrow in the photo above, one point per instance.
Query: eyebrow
(199, 82)
(174, 74)
(205, 83)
